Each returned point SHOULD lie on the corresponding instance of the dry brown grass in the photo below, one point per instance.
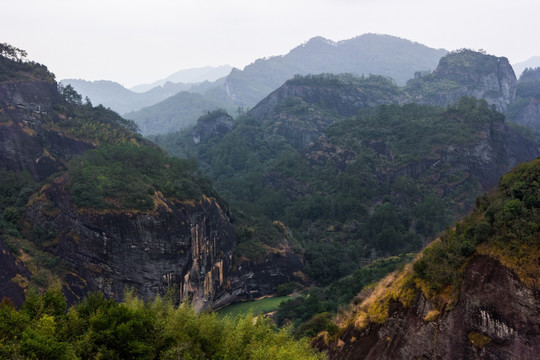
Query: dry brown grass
(523, 259)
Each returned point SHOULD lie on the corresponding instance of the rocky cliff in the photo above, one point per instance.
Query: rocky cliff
(304, 106)
(185, 246)
(525, 111)
(496, 317)
(215, 123)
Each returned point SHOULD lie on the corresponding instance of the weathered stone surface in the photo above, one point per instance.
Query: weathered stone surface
(469, 73)
(208, 127)
(183, 245)
(13, 276)
(529, 116)
(303, 126)
(493, 303)
(24, 143)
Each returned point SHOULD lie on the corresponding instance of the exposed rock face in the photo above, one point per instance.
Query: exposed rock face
(494, 306)
(24, 143)
(252, 280)
(469, 73)
(185, 245)
(13, 276)
(529, 116)
(210, 126)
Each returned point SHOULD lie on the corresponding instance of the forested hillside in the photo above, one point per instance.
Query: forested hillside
(354, 188)
(89, 205)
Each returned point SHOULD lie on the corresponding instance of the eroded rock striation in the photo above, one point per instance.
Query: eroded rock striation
(186, 246)
(496, 317)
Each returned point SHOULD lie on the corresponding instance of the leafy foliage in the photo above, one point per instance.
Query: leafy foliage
(327, 202)
(505, 223)
(13, 65)
(127, 176)
(100, 328)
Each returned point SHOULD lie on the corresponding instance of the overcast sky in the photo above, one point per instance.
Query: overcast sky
(139, 41)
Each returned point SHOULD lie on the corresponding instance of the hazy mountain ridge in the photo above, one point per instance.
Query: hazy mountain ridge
(530, 63)
(116, 97)
(188, 76)
(366, 54)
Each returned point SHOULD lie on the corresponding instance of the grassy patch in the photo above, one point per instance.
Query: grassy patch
(257, 307)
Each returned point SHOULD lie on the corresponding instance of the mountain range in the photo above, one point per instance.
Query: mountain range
(324, 186)
(188, 76)
(366, 54)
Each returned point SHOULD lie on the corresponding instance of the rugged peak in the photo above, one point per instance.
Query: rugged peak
(466, 73)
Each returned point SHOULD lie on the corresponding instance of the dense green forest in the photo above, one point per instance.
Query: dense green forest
(98, 328)
(328, 201)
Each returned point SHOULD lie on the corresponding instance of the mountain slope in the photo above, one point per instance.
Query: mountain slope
(471, 294)
(176, 112)
(84, 199)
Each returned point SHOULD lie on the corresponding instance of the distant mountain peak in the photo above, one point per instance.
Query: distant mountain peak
(319, 40)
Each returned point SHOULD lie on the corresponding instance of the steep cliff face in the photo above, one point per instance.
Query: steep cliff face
(216, 123)
(496, 317)
(105, 244)
(496, 151)
(187, 246)
(25, 144)
(13, 276)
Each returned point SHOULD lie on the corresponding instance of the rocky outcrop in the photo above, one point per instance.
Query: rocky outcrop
(185, 246)
(255, 279)
(214, 124)
(466, 73)
(496, 317)
(496, 151)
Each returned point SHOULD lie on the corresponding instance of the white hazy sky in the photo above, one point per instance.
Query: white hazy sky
(139, 41)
